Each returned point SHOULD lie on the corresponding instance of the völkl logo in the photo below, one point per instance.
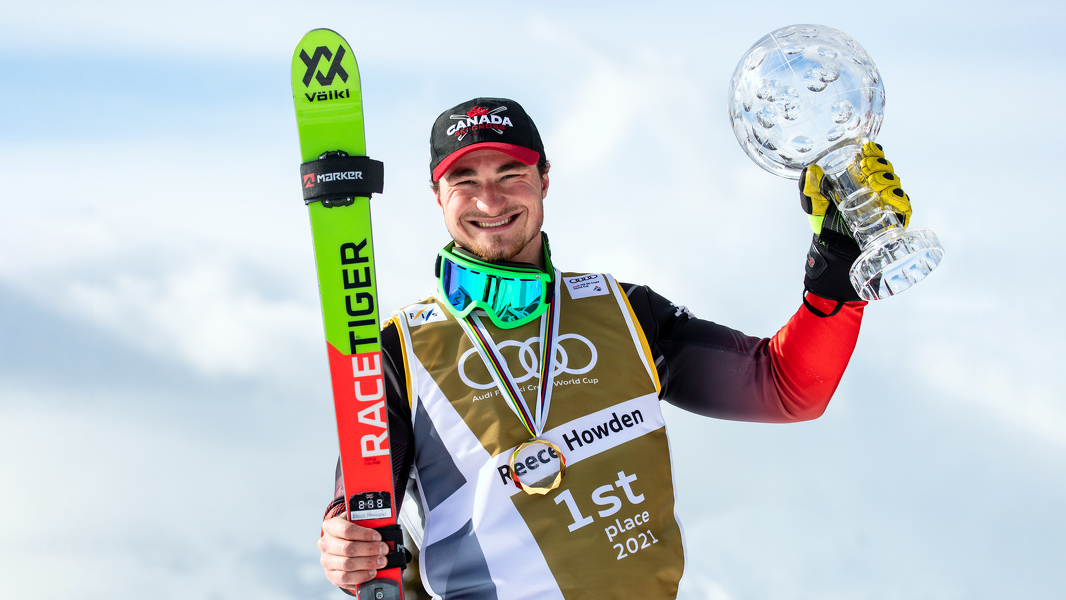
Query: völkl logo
(335, 68)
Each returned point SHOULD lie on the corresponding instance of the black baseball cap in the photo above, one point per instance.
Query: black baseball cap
(495, 123)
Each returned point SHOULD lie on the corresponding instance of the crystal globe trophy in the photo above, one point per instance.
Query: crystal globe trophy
(809, 94)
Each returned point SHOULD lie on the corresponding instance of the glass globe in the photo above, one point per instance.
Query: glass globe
(807, 94)
(802, 92)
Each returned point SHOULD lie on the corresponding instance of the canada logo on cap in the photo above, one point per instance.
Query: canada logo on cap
(479, 118)
(483, 123)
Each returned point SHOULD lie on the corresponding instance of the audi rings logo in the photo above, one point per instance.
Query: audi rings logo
(529, 357)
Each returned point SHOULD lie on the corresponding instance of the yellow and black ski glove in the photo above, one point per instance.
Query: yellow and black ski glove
(833, 249)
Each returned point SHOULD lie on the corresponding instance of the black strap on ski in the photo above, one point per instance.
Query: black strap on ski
(335, 178)
(399, 556)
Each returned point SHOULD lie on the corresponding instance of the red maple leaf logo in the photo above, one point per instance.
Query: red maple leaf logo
(477, 111)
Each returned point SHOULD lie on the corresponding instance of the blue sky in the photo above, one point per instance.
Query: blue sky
(165, 419)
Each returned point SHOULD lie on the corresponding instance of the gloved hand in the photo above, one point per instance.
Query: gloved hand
(833, 250)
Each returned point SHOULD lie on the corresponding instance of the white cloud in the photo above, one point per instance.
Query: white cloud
(99, 504)
(203, 315)
(697, 586)
(203, 269)
(980, 370)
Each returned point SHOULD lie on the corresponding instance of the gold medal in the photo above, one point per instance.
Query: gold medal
(537, 466)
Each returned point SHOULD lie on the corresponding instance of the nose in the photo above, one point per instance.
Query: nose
(489, 199)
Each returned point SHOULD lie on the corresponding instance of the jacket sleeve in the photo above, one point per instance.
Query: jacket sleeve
(399, 414)
(715, 371)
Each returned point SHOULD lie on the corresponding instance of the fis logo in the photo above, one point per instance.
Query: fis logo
(479, 118)
(420, 314)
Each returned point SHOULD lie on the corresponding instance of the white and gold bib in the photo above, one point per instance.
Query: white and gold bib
(609, 530)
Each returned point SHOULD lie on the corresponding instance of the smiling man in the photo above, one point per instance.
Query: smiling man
(493, 206)
(524, 401)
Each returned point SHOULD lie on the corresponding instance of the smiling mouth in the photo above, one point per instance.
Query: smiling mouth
(485, 225)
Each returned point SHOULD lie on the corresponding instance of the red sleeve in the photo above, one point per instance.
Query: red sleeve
(809, 354)
(715, 371)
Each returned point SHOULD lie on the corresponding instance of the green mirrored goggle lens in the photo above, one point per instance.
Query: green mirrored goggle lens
(508, 299)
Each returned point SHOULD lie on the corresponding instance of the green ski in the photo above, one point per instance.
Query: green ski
(337, 181)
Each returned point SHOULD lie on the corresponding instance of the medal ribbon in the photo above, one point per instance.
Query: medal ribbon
(549, 326)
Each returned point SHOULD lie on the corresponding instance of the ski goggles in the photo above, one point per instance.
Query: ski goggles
(510, 294)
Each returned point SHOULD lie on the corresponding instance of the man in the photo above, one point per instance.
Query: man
(555, 482)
